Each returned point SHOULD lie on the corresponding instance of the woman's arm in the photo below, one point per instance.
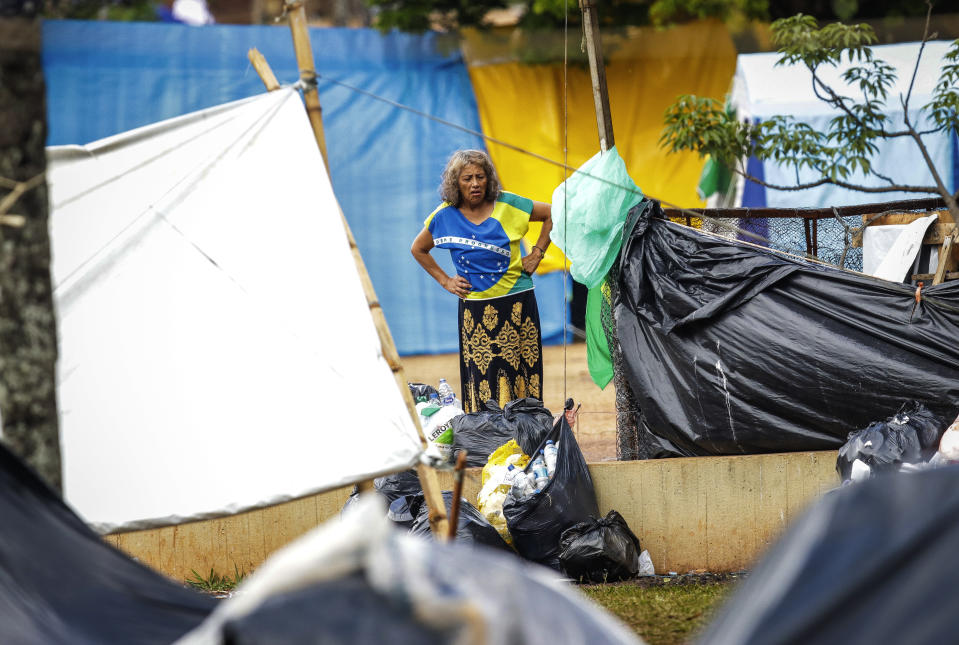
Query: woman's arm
(542, 212)
(421, 248)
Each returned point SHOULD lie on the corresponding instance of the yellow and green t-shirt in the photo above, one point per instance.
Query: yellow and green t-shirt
(487, 254)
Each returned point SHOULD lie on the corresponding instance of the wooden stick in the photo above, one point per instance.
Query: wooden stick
(457, 492)
(263, 69)
(944, 254)
(304, 60)
(427, 476)
(597, 73)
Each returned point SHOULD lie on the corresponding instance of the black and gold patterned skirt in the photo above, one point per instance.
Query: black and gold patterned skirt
(501, 350)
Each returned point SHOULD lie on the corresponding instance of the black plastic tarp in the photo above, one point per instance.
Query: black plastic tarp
(872, 562)
(61, 583)
(731, 348)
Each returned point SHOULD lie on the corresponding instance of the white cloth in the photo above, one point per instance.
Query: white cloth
(889, 254)
(217, 352)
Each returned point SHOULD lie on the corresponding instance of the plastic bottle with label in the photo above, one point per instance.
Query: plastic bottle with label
(550, 451)
(540, 472)
(446, 394)
(531, 479)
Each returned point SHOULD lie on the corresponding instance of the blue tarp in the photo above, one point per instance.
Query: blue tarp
(104, 78)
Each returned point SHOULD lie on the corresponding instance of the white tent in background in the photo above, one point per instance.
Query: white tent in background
(762, 89)
(217, 353)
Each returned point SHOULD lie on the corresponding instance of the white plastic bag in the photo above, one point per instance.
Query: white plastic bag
(438, 427)
(646, 567)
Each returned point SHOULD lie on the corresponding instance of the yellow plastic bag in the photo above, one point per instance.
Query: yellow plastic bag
(508, 453)
(495, 489)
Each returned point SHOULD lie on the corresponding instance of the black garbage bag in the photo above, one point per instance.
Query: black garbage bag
(471, 525)
(910, 436)
(530, 421)
(421, 391)
(602, 550)
(537, 522)
(400, 512)
(480, 433)
(391, 487)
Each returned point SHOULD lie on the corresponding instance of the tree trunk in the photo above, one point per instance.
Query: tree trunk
(28, 337)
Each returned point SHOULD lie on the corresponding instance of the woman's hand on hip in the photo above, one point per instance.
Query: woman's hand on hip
(458, 286)
(531, 261)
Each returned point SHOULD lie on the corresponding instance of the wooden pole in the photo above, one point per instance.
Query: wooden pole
(263, 69)
(431, 487)
(597, 73)
(945, 252)
(454, 518)
(628, 416)
(304, 61)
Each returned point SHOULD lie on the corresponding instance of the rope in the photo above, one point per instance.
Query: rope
(545, 159)
(565, 177)
(563, 164)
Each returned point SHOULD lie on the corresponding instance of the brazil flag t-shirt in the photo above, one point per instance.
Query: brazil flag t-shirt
(487, 254)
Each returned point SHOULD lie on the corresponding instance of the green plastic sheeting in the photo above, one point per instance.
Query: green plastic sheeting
(589, 210)
(598, 358)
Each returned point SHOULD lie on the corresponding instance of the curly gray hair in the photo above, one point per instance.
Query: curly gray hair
(449, 186)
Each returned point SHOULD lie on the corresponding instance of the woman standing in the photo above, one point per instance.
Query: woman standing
(481, 225)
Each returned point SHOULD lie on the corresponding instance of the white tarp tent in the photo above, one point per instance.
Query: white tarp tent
(761, 89)
(217, 353)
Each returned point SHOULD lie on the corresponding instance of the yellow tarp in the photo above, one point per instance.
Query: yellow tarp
(646, 70)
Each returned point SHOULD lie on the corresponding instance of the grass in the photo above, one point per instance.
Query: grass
(664, 614)
(215, 583)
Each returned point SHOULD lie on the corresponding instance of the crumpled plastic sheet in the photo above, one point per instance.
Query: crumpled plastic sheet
(734, 349)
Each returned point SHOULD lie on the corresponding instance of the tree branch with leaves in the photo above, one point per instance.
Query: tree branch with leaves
(849, 143)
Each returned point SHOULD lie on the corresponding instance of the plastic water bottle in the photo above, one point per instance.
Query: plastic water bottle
(447, 396)
(539, 470)
(519, 485)
(549, 456)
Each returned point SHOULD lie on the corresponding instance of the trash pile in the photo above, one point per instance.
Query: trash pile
(912, 439)
(437, 409)
(537, 496)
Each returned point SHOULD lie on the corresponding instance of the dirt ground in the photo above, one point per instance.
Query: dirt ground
(564, 375)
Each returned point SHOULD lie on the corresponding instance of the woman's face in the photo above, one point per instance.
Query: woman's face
(472, 183)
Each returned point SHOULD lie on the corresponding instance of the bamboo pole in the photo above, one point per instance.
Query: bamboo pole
(427, 476)
(263, 70)
(304, 61)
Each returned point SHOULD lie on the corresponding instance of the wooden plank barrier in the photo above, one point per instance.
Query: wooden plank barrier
(712, 513)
